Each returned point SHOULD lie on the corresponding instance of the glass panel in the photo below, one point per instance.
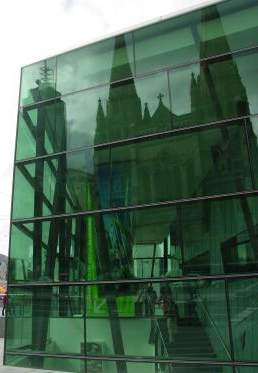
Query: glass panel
(56, 365)
(102, 366)
(107, 61)
(165, 319)
(213, 30)
(201, 163)
(252, 130)
(246, 369)
(244, 318)
(127, 109)
(214, 90)
(38, 82)
(42, 130)
(38, 319)
(66, 183)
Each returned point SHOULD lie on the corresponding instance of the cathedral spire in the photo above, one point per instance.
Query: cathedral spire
(120, 66)
(101, 128)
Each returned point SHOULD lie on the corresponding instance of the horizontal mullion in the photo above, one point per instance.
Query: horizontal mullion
(221, 277)
(144, 75)
(183, 201)
(138, 139)
(136, 359)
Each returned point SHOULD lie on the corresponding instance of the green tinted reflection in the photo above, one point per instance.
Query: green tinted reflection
(54, 364)
(93, 366)
(128, 109)
(214, 90)
(158, 316)
(207, 162)
(65, 183)
(201, 163)
(252, 130)
(42, 130)
(116, 112)
(204, 238)
(98, 63)
(38, 82)
(213, 30)
(244, 318)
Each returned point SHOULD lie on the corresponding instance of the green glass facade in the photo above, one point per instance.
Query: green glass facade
(134, 230)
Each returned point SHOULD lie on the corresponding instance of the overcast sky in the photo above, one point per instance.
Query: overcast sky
(34, 29)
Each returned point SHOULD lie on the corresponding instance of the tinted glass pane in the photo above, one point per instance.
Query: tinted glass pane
(214, 90)
(42, 130)
(207, 32)
(206, 162)
(252, 130)
(54, 364)
(38, 319)
(93, 366)
(163, 318)
(64, 183)
(127, 109)
(103, 62)
(38, 82)
(195, 164)
(244, 318)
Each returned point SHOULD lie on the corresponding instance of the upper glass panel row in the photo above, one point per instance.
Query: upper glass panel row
(210, 31)
(214, 90)
(201, 163)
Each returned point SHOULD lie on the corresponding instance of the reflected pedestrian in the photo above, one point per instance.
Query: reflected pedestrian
(4, 303)
(170, 312)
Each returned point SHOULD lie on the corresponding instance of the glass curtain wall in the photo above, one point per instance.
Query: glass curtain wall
(134, 229)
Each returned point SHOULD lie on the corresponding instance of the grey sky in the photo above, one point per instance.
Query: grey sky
(34, 29)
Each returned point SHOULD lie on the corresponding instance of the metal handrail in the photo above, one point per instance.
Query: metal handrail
(208, 316)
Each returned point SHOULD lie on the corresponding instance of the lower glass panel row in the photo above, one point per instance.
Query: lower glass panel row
(184, 320)
(100, 366)
(201, 238)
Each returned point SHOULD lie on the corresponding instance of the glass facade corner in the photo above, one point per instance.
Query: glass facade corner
(134, 230)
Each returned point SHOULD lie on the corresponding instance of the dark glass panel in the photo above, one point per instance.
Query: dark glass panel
(206, 162)
(252, 130)
(94, 64)
(42, 130)
(241, 369)
(65, 183)
(244, 318)
(214, 90)
(213, 30)
(38, 82)
(164, 319)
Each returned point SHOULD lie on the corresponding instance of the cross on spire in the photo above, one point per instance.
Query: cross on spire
(160, 96)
